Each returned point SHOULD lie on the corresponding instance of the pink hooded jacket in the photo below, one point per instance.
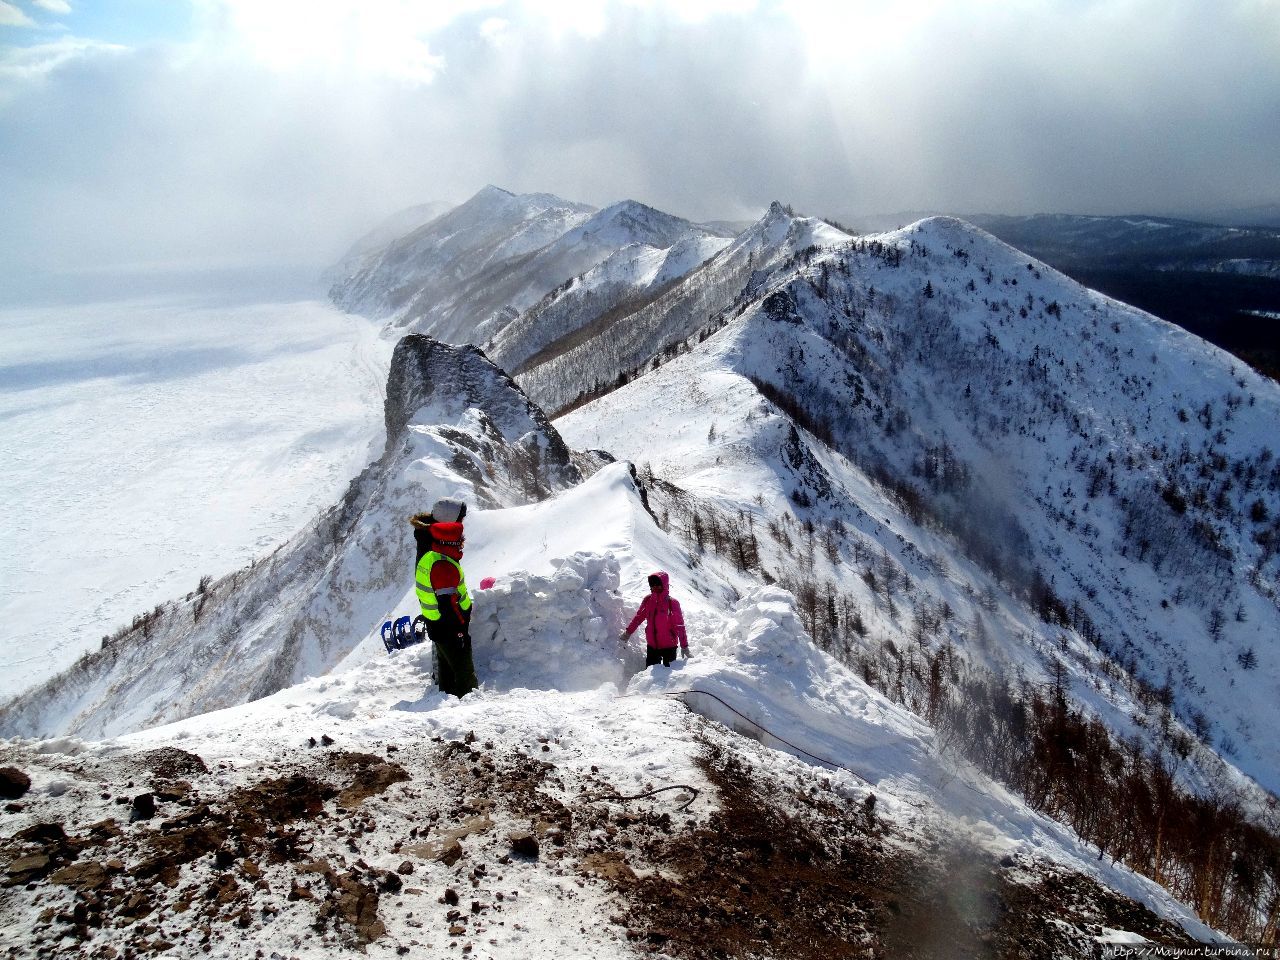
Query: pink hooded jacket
(665, 628)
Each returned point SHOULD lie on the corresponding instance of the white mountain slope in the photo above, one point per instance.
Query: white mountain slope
(625, 343)
(399, 224)
(1043, 456)
(455, 424)
(628, 279)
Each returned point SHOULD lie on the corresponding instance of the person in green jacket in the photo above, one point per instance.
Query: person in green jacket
(443, 595)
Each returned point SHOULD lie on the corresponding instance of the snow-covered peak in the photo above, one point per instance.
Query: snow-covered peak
(779, 234)
(492, 194)
(629, 221)
(425, 277)
(491, 201)
(578, 365)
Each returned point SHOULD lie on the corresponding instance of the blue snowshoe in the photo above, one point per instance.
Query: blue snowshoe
(403, 632)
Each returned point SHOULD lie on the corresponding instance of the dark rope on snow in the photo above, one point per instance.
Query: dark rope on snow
(649, 793)
(760, 726)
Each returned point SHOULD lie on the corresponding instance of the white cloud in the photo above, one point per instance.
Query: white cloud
(54, 6)
(24, 64)
(11, 16)
(284, 128)
(495, 29)
(391, 38)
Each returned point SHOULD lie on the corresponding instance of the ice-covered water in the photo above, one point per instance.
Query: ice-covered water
(147, 443)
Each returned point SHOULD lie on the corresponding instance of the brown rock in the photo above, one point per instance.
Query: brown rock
(82, 876)
(170, 763)
(104, 830)
(29, 867)
(523, 843)
(46, 834)
(450, 852)
(143, 807)
(170, 792)
(391, 882)
(608, 866)
(317, 866)
(138, 904)
(13, 783)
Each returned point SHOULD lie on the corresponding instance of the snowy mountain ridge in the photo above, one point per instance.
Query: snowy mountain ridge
(969, 549)
(334, 816)
(470, 272)
(591, 365)
(895, 353)
(399, 224)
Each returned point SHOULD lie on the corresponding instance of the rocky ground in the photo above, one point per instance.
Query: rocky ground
(465, 848)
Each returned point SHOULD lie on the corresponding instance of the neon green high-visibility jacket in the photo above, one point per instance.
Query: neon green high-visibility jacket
(429, 597)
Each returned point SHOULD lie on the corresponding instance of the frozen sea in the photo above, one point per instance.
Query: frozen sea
(147, 443)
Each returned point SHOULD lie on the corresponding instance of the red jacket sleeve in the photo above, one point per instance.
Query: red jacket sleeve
(641, 615)
(677, 623)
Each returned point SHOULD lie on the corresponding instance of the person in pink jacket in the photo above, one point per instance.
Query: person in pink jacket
(664, 628)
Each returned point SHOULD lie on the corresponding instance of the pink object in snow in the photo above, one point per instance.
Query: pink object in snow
(487, 582)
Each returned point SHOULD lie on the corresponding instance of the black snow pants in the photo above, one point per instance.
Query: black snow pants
(455, 670)
(663, 655)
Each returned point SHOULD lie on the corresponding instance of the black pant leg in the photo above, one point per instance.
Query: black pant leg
(663, 656)
(456, 670)
(444, 668)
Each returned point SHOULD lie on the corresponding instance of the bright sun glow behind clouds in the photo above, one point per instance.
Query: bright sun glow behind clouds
(372, 37)
(393, 38)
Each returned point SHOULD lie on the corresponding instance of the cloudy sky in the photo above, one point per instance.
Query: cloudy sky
(174, 134)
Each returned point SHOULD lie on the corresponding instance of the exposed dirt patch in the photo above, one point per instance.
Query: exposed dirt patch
(197, 862)
(753, 881)
(828, 881)
(370, 776)
(761, 867)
